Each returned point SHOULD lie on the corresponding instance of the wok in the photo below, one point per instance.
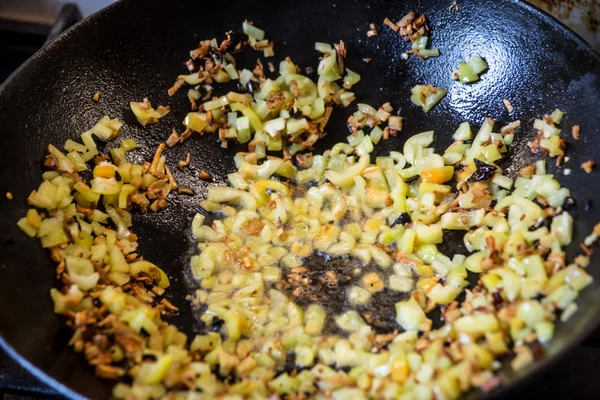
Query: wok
(135, 49)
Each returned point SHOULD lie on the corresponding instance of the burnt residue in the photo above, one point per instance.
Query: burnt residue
(311, 73)
(148, 357)
(216, 55)
(497, 300)
(290, 362)
(403, 219)
(380, 312)
(483, 171)
(237, 37)
(216, 324)
(453, 243)
(325, 280)
(570, 204)
(202, 90)
(250, 87)
(314, 278)
(295, 112)
(321, 279)
(539, 224)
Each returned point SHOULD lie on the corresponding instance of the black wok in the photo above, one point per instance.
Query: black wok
(135, 49)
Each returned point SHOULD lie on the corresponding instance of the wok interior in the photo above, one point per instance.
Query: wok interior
(137, 51)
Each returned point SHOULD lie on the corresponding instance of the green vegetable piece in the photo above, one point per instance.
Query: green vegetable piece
(427, 96)
(477, 65)
(466, 74)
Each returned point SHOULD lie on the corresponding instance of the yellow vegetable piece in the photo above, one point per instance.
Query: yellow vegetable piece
(104, 171)
(437, 175)
(195, 121)
(152, 373)
(251, 115)
(145, 114)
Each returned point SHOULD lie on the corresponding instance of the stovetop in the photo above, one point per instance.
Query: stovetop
(575, 377)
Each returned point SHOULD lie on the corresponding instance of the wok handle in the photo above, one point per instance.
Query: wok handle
(68, 16)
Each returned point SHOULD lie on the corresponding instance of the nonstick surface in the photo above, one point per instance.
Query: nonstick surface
(135, 49)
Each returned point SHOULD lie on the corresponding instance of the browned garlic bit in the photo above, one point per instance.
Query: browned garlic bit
(372, 31)
(508, 105)
(588, 166)
(413, 27)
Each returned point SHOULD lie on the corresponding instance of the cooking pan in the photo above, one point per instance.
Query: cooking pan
(135, 49)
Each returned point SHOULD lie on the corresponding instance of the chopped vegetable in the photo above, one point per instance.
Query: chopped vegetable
(292, 109)
(548, 136)
(252, 31)
(369, 211)
(258, 299)
(145, 114)
(470, 71)
(427, 96)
